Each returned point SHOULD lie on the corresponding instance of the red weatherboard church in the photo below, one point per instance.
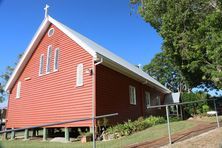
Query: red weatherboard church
(64, 75)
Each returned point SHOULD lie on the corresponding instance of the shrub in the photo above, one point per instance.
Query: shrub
(205, 108)
(141, 125)
(129, 127)
(175, 119)
(152, 120)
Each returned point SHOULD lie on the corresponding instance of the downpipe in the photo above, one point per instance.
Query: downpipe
(94, 96)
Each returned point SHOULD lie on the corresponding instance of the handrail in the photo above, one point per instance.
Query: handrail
(183, 103)
(59, 123)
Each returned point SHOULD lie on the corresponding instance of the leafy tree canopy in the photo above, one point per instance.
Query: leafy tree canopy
(162, 69)
(192, 36)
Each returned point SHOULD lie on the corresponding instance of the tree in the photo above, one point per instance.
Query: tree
(162, 69)
(195, 108)
(4, 78)
(192, 36)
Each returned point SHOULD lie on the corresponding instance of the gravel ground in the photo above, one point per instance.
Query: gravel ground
(211, 139)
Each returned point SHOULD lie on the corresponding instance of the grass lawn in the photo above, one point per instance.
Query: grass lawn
(152, 133)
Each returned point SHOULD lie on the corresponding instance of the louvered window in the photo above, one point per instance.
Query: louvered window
(158, 101)
(18, 91)
(147, 98)
(49, 54)
(56, 59)
(79, 75)
(132, 95)
(41, 64)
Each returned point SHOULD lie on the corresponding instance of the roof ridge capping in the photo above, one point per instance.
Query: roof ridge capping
(90, 46)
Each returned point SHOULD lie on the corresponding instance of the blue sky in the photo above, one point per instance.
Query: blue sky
(108, 23)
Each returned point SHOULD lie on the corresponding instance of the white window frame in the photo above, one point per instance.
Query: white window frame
(132, 95)
(48, 60)
(56, 59)
(147, 99)
(18, 90)
(79, 75)
(51, 30)
(41, 65)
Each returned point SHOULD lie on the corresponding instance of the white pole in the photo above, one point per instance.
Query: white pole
(215, 108)
(93, 101)
(177, 111)
(181, 112)
(168, 125)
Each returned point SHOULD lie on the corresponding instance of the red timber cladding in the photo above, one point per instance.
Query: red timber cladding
(113, 96)
(53, 97)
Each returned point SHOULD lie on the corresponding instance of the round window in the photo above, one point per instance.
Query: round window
(51, 32)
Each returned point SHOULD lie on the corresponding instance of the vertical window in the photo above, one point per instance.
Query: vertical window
(158, 101)
(132, 95)
(79, 75)
(41, 64)
(147, 99)
(49, 53)
(18, 91)
(56, 58)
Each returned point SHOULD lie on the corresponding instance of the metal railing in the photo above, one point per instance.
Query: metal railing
(183, 103)
(60, 123)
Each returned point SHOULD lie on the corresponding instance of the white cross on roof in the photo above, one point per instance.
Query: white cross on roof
(46, 10)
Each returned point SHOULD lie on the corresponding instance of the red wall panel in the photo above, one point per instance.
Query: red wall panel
(52, 97)
(113, 96)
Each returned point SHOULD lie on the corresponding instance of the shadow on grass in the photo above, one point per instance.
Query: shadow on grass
(194, 133)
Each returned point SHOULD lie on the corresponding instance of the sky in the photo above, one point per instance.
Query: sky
(108, 23)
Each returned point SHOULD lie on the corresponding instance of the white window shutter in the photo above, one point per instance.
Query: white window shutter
(79, 75)
(18, 91)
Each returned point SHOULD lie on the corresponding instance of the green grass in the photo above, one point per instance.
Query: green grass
(152, 133)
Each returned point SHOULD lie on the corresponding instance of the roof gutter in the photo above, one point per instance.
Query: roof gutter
(99, 62)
